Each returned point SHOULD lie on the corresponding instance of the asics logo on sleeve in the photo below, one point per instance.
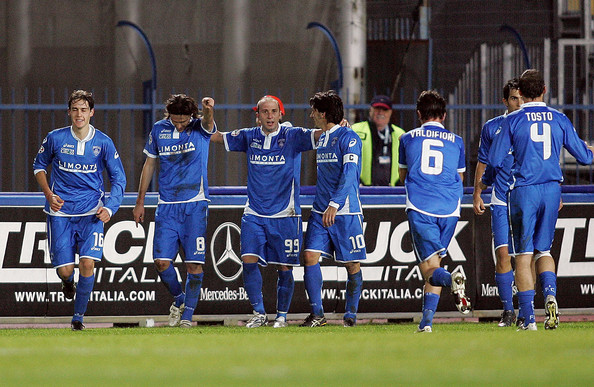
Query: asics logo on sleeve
(353, 142)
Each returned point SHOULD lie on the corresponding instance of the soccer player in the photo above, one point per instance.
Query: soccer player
(536, 134)
(432, 164)
(504, 275)
(76, 205)
(271, 226)
(335, 227)
(180, 143)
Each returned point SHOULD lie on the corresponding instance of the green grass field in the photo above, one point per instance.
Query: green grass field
(391, 354)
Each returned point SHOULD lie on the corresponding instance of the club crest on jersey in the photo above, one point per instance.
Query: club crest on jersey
(281, 142)
(334, 141)
(96, 150)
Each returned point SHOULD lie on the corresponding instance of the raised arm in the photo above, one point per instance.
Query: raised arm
(207, 113)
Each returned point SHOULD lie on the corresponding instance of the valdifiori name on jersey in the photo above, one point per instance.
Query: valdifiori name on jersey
(267, 159)
(176, 149)
(77, 167)
(442, 135)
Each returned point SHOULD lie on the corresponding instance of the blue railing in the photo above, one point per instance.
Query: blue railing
(26, 119)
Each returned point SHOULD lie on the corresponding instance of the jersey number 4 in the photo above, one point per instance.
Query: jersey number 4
(431, 158)
(544, 137)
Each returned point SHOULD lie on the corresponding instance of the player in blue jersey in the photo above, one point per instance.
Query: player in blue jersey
(180, 143)
(271, 226)
(76, 205)
(504, 275)
(335, 227)
(536, 134)
(431, 165)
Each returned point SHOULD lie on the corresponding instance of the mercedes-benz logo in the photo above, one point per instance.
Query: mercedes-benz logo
(226, 261)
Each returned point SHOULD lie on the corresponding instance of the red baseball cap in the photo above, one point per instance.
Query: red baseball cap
(382, 101)
(280, 104)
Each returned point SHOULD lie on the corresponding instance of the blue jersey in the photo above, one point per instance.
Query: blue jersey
(274, 167)
(500, 178)
(183, 158)
(338, 162)
(434, 158)
(536, 133)
(77, 171)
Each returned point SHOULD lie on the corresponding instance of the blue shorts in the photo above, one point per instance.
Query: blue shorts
(66, 235)
(430, 235)
(344, 239)
(533, 212)
(272, 240)
(499, 226)
(181, 224)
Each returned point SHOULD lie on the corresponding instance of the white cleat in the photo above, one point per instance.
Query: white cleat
(426, 328)
(175, 315)
(530, 327)
(459, 292)
(257, 320)
(280, 322)
(185, 324)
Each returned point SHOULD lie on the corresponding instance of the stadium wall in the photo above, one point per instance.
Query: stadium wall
(127, 286)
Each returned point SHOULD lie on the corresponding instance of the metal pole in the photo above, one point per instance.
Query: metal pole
(328, 34)
(127, 23)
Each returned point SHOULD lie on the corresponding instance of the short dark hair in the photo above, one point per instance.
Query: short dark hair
(181, 104)
(512, 84)
(531, 84)
(81, 94)
(330, 103)
(431, 105)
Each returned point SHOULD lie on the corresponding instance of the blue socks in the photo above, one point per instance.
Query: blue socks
(504, 286)
(193, 286)
(430, 301)
(313, 285)
(252, 282)
(526, 303)
(353, 293)
(169, 279)
(548, 281)
(83, 292)
(441, 277)
(284, 292)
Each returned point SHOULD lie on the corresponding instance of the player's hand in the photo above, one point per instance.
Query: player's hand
(478, 204)
(55, 202)
(560, 205)
(138, 213)
(329, 216)
(207, 104)
(103, 215)
(345, 122)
